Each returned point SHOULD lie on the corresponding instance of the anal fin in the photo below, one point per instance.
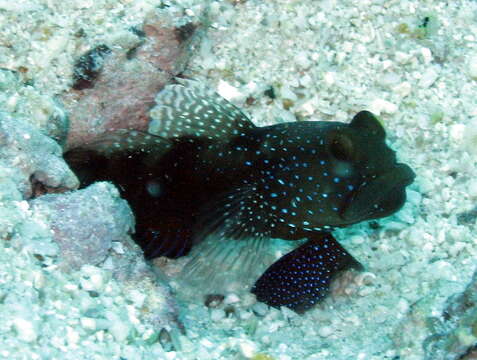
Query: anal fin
(302, 278)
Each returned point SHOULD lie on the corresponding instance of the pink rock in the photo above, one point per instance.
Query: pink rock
(128, 81)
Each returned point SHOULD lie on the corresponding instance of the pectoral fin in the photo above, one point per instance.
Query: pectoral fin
(302, 278)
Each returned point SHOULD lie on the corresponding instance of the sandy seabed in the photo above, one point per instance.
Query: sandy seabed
(413, 63)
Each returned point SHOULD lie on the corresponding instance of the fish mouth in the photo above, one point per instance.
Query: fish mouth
(380, 197)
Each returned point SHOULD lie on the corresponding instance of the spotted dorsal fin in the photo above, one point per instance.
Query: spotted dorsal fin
(190, 109)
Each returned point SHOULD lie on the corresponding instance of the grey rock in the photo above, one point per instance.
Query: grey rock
(454, 334)
(19, 97)
(34, 158)
(85, 222)
(91, 228)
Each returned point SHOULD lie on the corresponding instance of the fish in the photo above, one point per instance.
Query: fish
(205, 170)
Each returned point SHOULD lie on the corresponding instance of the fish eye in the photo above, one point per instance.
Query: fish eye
(153, 188)
(341, 147)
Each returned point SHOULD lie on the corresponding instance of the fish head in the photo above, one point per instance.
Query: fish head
(336, 174)
(381, 180)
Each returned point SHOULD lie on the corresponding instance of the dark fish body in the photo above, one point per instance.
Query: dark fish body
(210, 171)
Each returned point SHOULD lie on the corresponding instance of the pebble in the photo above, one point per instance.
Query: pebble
(25, 330)
(171, 355)
(260, 309)
(92, 283)
(137, 298)
(403, 89)
(118, 247)
(365, 279)
(247, 348)
(414, 197)
(88, 323)
(213, 300)
(217, 315)
(231, 299)
(302, 59)
(472, 188)
(426, 55)
(465, 338)
(325, 331)
(414, 237)
(402, 58)
(308, 107)
(379, 106)
(442, 270)
(72, 336)
(329, 78)
(243, 314)
(403, 306)
(165, 340)
(229, 92)
(428, 78)
(266, 340)
(389, 79)
(357, 239)
(472, 67)
(380, 314)
(206, 343)
(288, 313)
(120, 330)
(470, 137)
(306, 80)
(38, 280)
(275, 325)
(427, 247)
(287, 93)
